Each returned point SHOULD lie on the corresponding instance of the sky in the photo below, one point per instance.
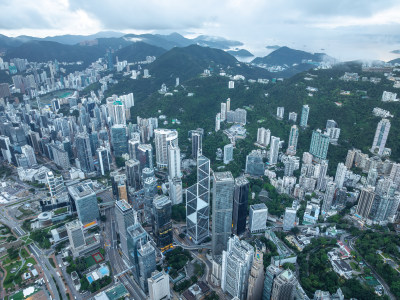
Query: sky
(345, 29)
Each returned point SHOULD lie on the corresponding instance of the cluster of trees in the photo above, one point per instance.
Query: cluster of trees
(177, 259)
(78, 265)
(367, 245)
(41, 237)
(95, 285)
(178, 213)
(183, 285)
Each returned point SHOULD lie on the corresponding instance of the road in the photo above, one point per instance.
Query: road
(116, 261)
(49, 272)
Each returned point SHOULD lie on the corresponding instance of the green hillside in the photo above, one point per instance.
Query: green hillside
(138, 52)
(288, 56)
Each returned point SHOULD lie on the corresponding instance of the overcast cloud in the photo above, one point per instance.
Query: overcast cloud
(345, 29)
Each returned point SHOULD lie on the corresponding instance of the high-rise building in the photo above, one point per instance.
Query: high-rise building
(274, 150)
(328, 198)
(84, 152)
(4, 90)
(147, 263)
(162, 224)
(372, 176)
(350, 158)
(198, 202)
(86, 203)
(293, 138)
(5, 146)
(280, 112)
(270, 275)
(136, 236)
(304, 115)
(228, 153)
(174, 161)
(319, 144)
(162, 139)
(258, 218)
(222, 206)
(125, 217)
(104, 158)
(381, 135)
(159, 286)
(365, 202)
(236, 264)
(284, 286)
(133, 174)
(256, 278)
(118, 113)
(223, 112)
(340, 175)
(133, 144)
(119, 139)
(263, 136)
(217, 122)
(240, 201)
(289, 219)
(197, 144)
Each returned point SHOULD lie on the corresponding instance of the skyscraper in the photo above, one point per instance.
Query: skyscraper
(222, 206)
(263, 136)
(279, 112)
(381, 135)
(350, 158)
(103, 156)
(258, 218)
(254, 164)
(174, 161)
(198, 201)
(29, 154)
(236, 264)
(86, 203)
(133, 174)
(125, 217)
(162, 139)
(240, 200)
(119, 139)
(84, 152)
(304, 115)
(223, 112)
(162, 224)
(75, 234)
(197, 144)
(217, 122)
(319, 144)
(274, 150)
(147, 263)
(145, 156)
(293, 138)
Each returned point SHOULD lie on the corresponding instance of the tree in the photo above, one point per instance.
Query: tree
(119, 161)
(295, 230)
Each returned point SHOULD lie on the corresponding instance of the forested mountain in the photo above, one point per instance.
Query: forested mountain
(287, 56)
(138, 52)
(240, 52)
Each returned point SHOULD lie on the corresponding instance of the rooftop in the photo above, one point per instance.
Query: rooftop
(223, 176)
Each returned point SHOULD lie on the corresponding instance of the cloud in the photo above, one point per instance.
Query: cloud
(302, 24)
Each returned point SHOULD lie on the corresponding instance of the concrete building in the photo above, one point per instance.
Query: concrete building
(280, 112)
(263, 136)
(147, 263)
(258, 218)
(271, 273)
(365, 202)
(254, 164)
(328, 197)
(159, 286)
(340, 175)
(197, 144)
(274, 150)
(319, 144)
(293, 138)
(228, 153)
(256, 277)
(304, 116)
(222, 207)
(289, 219)
(133, 174)
(174, 161)
(284, 286)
